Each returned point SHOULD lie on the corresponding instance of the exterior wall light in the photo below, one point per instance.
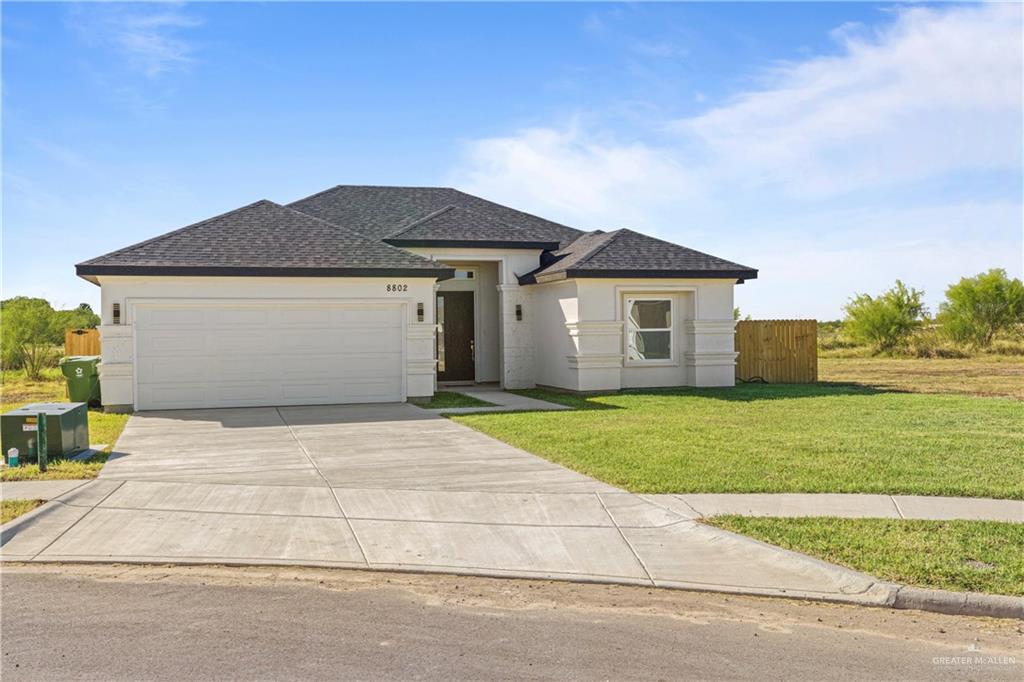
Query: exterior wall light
(519, 312)
(116, 313)
(419, 312)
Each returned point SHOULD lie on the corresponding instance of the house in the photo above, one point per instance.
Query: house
(374, 294)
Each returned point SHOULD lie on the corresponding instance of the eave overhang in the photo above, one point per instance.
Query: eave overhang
(89, 272)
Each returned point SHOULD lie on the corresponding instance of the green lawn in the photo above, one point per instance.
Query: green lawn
(103, 427)
(444, 399)
(12, 509)
(784, 438)
(976, 556)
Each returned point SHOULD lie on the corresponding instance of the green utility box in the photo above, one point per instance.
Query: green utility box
(83, 377)
(67, 429)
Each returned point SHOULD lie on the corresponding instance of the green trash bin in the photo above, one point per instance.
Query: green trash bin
(83, 377)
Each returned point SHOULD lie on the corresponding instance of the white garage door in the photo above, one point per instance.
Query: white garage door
(249, 354)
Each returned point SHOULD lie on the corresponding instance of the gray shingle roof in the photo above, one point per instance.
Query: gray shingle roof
(625, 253)
(264, 238)
(457, 226)
(356, 231)
(381, 211)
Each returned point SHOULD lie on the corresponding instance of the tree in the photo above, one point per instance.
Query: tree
(28, 328)
(886, 320)
(81, 317)
(977, 308)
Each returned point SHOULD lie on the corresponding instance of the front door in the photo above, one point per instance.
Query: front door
(455, 337)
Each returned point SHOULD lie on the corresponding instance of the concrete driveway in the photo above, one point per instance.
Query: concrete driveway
(391, 487)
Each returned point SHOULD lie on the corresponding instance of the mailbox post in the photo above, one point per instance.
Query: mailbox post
(41, 440)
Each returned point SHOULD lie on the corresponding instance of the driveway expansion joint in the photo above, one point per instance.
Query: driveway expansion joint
(622, 535)
(78, 520)
(341, 510)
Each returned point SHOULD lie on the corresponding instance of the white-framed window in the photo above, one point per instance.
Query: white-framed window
(649, 329)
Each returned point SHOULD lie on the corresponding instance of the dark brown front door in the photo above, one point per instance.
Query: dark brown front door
(455, 338)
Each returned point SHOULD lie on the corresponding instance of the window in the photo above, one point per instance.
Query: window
(464, 274)
(648, 329)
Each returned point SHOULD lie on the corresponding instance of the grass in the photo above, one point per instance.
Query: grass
(984, 375)
(976, 556)
(58, 470)
(793, 438)
(103, 427)
(445, 399)
(12, 509)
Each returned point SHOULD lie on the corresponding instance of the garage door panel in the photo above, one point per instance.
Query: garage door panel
(173, 370)
(233, 355)
(244, 393)
(310, 341)
(175, 342)
(371, 342)
(367, 391)
(171, 318)
(307, 393)
(364, 316)
(239, 317)
(238, 343)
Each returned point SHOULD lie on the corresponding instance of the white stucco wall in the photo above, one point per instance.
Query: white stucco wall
(516, 342)
(571, 335)
(117, 370)
(554, 308)
(586, 316)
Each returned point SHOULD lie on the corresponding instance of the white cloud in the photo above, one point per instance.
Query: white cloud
(936, 91)
(573, 176)
(817, 176)
(812, 263)
(148, 36)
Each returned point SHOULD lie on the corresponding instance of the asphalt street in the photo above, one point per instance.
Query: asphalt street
(216, 623)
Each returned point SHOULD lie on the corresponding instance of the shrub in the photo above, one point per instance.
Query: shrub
(978, 308)
(931, 342)
(886, 320)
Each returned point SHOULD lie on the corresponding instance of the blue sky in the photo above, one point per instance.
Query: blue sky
(834, 146)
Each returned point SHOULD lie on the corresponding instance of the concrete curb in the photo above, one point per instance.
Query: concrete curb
(959, 603)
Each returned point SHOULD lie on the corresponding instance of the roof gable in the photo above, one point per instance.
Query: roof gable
(625, 253)
(263, 238)
(379, 212)
(457, 226)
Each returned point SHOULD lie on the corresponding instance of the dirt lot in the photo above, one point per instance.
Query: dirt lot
(996, 375)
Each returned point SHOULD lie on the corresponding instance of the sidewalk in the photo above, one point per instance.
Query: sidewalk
(851, 506)
(38, 490)
(699, 505)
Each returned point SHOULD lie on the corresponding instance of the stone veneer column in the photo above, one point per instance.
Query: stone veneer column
(516, 337)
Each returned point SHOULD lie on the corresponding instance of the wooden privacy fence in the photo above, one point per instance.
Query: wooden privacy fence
(82, 342)
(777, 351)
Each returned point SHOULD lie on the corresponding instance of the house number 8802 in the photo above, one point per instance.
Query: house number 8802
(397, 287)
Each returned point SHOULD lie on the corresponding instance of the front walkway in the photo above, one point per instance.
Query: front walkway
(501, 401)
